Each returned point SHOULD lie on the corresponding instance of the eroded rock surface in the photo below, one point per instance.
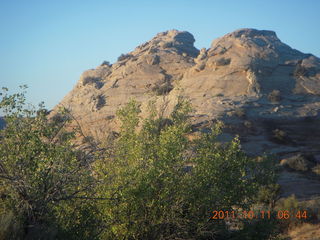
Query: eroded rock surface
(262, 89)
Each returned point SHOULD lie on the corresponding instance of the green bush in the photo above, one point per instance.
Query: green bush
(268, 194)
(137, 187)
(41, 170)
(11, 227)
(151, 196)
(260, 229)
(291, 205)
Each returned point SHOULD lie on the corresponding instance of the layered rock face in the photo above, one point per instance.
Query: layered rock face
(262, 89)
(240, 68)
(152, 69)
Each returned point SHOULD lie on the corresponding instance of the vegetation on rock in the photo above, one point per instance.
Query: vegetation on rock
(45, 182)
(137, 187)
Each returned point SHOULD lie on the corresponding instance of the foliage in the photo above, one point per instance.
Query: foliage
(95, 81)
(151, 196)
(124, 57)
(268, 194)
(40, 168)
(10, 227)
(138, 187)
(262, 229)
(290, 204)
(269, 190)
(106, 63)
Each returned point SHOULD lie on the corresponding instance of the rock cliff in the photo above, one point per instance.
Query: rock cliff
(262, 89)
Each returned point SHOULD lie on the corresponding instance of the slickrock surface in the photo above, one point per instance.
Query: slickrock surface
(262, 89)
(2, 123)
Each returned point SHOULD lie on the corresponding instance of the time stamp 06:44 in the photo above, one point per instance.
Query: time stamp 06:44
(285, 214)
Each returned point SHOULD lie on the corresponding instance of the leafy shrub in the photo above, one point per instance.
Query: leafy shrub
(262, 229)
(40, 168)
(151, 196)
(11, 227)
(268, 194)
(135, 188)
(291, 205)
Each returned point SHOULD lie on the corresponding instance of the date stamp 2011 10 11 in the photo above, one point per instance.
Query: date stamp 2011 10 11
(280, 214)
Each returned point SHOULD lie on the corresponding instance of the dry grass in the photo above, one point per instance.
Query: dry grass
(305, 231)
(316, 169)
(298, 163)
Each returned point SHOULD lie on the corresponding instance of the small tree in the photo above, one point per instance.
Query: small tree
(41, 172)
(151, 196)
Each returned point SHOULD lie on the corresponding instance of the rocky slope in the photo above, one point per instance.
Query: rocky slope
(262, 89)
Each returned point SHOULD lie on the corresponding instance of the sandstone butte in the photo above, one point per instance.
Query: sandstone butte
(261, 88)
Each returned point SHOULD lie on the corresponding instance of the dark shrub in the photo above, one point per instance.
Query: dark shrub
(300, 71)
(223, 61)
(124, 57)
(274, 96)
(106, 63)
(162, 89)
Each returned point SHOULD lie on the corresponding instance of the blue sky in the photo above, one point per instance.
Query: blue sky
(48, 44)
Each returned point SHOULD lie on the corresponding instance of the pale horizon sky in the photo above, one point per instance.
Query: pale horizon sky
(48, 44)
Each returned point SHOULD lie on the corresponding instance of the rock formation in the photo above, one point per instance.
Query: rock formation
(262, 89)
